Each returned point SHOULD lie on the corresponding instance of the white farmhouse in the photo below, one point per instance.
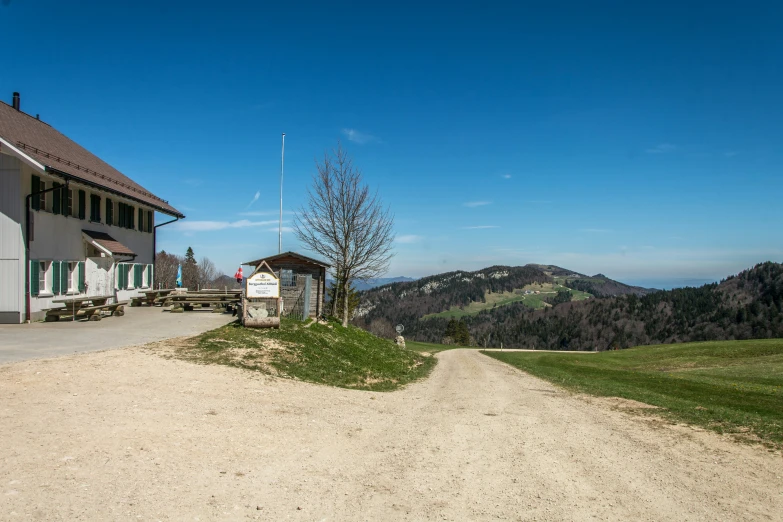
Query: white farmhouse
(70, 223)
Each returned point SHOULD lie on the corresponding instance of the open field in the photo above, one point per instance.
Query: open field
(130, 435)
(537, 301)
(730, 386)
(430, 348)
(324, 353)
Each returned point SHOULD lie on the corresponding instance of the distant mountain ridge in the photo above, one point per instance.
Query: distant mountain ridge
(407, 302)
(746, 306)
(380, 281)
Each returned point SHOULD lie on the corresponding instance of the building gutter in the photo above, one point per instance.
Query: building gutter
(27, 245)
(155, 238)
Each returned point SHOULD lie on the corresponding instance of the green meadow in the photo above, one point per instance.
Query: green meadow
(731, 387)
(492, 300)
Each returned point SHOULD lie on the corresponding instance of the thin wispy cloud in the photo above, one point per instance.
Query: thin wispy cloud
(506, 176)
(409, 238)
(362, 138)
(276, 229)
(193, 182)
(479, 227)
(258, 213)
(539, 201)
(208, 226)
(662, 148)
(730, 153)
(596, 230)
(255, 198)
(473, 204)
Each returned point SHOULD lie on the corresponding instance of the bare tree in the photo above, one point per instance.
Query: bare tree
(345, 223)
(166, 269)
(206, 272)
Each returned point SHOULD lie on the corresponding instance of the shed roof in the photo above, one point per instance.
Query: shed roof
(272, 259)
(108, 243)
(60, 154)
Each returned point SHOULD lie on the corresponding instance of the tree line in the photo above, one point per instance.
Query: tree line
(195, 274)
(746, 306)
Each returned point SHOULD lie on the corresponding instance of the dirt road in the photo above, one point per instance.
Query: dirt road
(128, 435)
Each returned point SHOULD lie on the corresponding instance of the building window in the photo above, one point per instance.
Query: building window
(43, 271)
(69, 210)
(149, 221)
(287, 277)
(95, 208)
(141, 220)
(72, 277)
(40, 278)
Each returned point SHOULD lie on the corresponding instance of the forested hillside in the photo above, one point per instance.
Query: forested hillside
(745, 306)
(408, 302)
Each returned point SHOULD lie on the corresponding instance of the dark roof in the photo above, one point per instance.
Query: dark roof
(271, 259)
(109, 243)
(58, 153)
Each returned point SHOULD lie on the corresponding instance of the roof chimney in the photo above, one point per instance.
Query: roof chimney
(16, 101)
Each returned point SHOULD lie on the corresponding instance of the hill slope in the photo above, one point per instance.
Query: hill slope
(746, 306)
(465, 293)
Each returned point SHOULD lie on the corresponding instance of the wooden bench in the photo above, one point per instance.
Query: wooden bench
(188, 304)
(91, 313)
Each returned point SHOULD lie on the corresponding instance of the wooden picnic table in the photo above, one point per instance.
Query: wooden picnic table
(187, 300)
(87, 305)
(152, 296)
(75, 303)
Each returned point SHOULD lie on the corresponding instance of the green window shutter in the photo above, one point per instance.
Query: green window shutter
(109, 213)
(141, 220)
(124, 278)
(35, 187)
(56, 277)
(149, 276)
(136, 276)
(131, 224)
(149, 221)
(56, 198)
(64, 283)
(34, 269)
(81, 277)
(82, 203)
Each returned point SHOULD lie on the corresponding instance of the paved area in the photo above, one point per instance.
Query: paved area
(141, 325)
(128, 435)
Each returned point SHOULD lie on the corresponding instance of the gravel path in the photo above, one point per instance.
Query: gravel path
(130, 435)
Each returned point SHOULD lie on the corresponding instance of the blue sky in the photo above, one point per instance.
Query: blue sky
(637, 139)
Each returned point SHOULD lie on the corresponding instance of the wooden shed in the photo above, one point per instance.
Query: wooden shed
(293, 270)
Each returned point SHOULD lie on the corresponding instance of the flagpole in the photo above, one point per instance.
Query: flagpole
(280, 228)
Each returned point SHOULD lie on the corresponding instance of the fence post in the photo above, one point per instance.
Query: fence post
(306, 300)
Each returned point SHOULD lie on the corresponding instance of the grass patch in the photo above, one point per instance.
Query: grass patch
(728, 386)
(321, 353)
(493, 300)
(430, 348)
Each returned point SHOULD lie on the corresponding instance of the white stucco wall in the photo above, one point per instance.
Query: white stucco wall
(11, 245)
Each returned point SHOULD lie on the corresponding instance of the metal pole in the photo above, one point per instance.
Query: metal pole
(280, 228)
